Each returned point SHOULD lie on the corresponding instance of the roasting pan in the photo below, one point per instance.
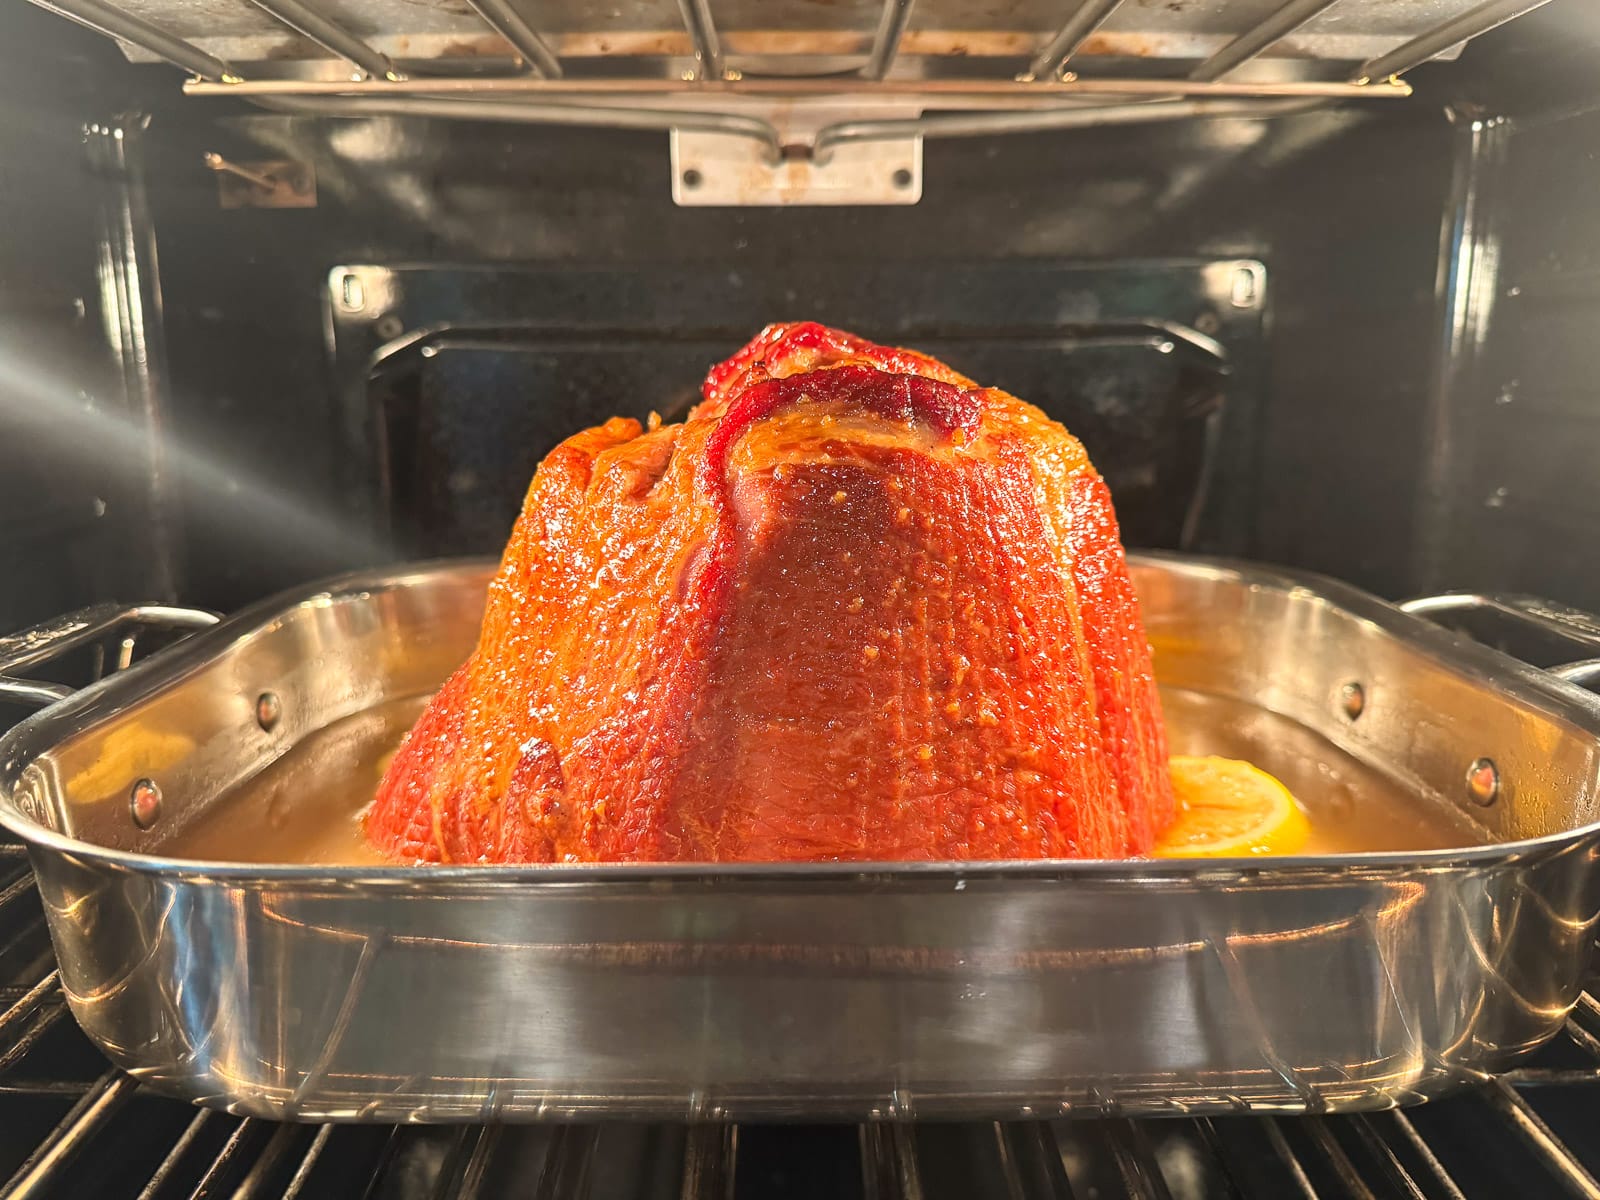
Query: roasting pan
(1333, 983)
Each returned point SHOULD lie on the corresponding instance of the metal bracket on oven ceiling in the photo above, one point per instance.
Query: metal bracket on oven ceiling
(711, 168)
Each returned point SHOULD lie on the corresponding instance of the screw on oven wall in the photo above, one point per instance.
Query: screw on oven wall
(1353, 699)
(144, 803)
(1207, 322)
(1483, 782)
(388, 327)
(268, 710)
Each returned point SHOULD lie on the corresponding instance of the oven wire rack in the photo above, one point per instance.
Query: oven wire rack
(889, 85)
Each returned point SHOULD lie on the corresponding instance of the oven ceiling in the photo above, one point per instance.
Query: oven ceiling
(658, 36)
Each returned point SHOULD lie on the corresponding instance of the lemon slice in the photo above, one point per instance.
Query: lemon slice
(1229, 808)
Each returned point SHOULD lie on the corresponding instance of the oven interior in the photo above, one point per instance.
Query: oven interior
(261, 322)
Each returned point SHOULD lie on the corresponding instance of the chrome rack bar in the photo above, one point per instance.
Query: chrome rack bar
(54, 638)
(509, 24)
(1394, 1171)
(114, 23)
(1288, 1159)
(186, 1140)
(886, 42)
(38, 695)
(228, 1158)
(1010, 1173)
(1539, 1138)
(1468, 25)
(468, 1164)
(253, 1185)
(703, 32)
(50, 1013)
(20, 886)
(1037, 120)
(889, 1169)
(568, 1165)
(308, 1163)
(1031, 1154)
(1446, 1182)
(535, 113)
(947, 93)
(109, 1093)
(709, 1158)
(1088, 17)
(28, 1001)
(1253, 41)
(329, 35)
(1212, 1140)
(1136, 1162)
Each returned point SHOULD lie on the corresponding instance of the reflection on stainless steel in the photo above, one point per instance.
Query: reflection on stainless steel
(1323, 983)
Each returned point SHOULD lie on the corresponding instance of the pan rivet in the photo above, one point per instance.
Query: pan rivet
(145, 804)
(1483, 781)
(268, 709)
(1353, 699)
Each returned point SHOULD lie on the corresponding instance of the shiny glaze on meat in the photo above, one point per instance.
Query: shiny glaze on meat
(856, 607)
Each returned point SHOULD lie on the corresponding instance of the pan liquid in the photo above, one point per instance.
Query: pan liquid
(306, 807)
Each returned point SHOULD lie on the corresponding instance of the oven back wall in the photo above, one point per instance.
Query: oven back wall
(1350, 307)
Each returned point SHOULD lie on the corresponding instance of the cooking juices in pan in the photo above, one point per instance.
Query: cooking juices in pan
(305, 807)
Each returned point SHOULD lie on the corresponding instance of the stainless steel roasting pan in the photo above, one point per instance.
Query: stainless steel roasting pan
(830, 991)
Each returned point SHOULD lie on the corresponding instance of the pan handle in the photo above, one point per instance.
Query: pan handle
(1571, 624)
(49, 640)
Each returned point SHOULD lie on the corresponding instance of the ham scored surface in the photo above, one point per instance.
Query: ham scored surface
(856, 607)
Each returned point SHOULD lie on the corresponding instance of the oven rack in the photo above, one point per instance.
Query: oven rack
(728, 68)
(115, 1138)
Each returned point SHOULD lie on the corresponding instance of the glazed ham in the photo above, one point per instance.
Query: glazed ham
(856, 607)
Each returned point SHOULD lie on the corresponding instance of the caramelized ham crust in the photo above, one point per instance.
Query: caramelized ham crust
(856, 607)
